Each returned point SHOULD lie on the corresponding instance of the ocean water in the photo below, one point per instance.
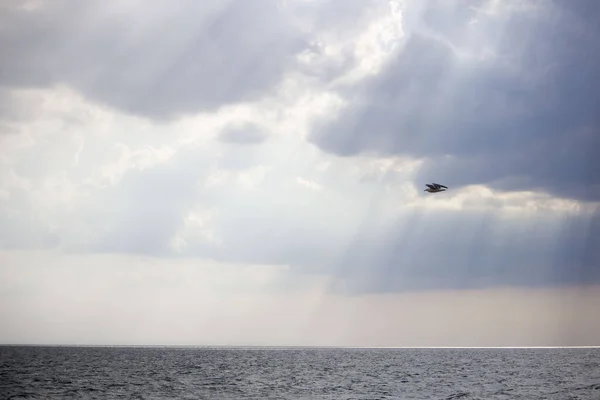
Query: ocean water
(297, 373)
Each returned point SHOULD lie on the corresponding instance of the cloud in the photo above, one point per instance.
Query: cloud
(309, 184)
(368, 227)
(428, 250)
(246, 134)
(88, 170)
(501, 94)
(159, 61)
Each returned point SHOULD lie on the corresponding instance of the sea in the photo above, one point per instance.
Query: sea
(35, 372)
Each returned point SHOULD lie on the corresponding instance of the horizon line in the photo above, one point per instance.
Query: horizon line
(241, 346)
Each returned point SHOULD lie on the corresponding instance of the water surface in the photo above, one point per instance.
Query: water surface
(300, 373)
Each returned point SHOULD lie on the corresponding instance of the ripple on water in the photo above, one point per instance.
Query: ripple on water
(179, 373)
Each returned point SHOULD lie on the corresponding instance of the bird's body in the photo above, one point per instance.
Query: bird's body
(435, 188)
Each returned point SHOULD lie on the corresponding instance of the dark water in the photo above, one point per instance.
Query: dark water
(256, 373)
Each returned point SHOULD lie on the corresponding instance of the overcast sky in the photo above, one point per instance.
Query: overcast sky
(232, 172)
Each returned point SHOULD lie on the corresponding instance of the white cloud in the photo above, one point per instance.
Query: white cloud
(308, 183)
(479, 197)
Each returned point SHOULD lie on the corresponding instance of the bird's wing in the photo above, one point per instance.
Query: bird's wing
(430, 186)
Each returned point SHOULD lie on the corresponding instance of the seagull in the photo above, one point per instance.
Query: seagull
(435, 188)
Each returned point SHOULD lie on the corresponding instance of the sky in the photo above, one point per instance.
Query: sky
(229, 172)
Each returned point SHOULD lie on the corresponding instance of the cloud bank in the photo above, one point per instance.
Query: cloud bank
(505, 96)
(274, 146)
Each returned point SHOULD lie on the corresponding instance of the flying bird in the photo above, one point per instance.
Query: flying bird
(435, 188)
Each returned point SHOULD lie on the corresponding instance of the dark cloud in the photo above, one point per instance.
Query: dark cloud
(523, 116)
(471, 250)
(155, 60)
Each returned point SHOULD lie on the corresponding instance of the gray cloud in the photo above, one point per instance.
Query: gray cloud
(144, 211)
(467, 251)
(421, 250)
(157, 61)
(521, 117)
(246, 134)
(500, 120)
(361, 248)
